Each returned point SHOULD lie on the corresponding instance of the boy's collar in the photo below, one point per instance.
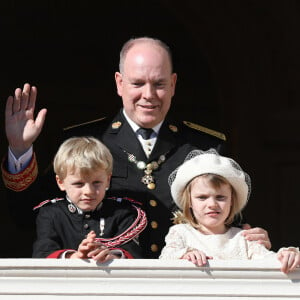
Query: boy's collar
(73, 208)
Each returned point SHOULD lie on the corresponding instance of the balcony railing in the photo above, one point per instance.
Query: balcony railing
(145, 279)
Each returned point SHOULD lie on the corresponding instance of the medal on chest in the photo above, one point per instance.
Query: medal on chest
(148, 179)
(101, 226)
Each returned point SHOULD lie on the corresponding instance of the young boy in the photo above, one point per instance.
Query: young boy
(210, 190)
(85, 224)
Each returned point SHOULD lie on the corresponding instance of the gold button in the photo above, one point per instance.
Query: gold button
(151, 186)
(154, 248)
(153, 203)
(154, 224)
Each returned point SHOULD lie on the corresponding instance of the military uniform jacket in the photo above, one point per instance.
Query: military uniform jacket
(174, 141)
(60, 226)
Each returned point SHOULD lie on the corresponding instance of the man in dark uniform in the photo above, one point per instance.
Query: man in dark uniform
(145, 144)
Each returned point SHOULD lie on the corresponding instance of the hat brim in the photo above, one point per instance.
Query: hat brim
(210, 164)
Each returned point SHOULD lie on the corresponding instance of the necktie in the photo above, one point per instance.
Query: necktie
(145, 133)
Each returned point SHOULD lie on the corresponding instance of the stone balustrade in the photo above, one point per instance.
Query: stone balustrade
(145, 279)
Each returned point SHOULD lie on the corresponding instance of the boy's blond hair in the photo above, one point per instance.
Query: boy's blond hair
(187, 216)
(83, 154)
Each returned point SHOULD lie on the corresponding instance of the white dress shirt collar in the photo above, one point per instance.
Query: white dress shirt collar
(135, 127)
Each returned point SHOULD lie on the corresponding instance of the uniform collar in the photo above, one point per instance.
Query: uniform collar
(73, 207)
(124, 137)
(135, 127)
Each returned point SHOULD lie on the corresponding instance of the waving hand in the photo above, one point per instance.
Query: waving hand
(21, 127)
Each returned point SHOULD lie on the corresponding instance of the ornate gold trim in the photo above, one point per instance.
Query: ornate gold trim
(22, 180)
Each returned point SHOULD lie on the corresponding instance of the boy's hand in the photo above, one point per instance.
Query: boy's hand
(101, 254)
(86, 246)
(89, 248)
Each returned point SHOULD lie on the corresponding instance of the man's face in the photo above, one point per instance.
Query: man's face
(146, 84)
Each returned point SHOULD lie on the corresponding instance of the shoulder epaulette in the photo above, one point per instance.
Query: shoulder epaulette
(47, 201)
(217, 134)
(82, 124)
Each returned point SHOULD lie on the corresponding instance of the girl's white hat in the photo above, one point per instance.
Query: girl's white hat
(200, 162)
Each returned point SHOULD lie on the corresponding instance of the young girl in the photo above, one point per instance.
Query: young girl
(85, 224)
(210, 191)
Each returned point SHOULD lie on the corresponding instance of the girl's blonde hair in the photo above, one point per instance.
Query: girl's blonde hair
(83, 154)
(187, 216)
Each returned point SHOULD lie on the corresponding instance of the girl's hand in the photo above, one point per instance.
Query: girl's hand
(197, 257)
(257, 234)
(289, 259)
